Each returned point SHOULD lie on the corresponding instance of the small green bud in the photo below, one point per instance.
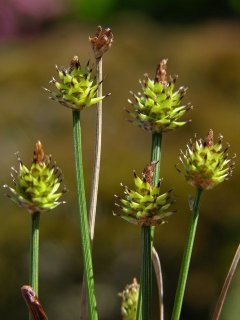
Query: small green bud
(145, 205)
(205, 163)
(36, 188)
(76, 88)
(158, 107)
(129, 301)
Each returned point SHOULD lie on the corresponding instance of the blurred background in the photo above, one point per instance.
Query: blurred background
(201, 41)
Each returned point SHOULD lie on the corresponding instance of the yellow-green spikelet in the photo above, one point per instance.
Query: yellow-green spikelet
(158, 107)
(36, 188)
(145, 205)
(205, 164)
(129, 301)
(77, 89)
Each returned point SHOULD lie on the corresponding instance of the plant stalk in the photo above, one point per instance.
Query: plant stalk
(34, 253)
(159, 278)
(186, 257)
(85, 236)
(97, 158)
(95, 177)
(146, 273)
(226, 284)
(155, 156)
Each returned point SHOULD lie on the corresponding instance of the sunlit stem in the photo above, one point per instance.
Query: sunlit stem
(186, 257)
(34, 252)
(84, 226)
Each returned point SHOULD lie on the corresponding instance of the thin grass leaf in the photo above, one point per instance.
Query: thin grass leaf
(226, 285)
(159, 278)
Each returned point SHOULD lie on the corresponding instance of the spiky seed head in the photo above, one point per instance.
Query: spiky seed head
(145, 205)
(205, 164)
(36, 189)
(130, 300)
(158, 108)
(101, 41)
(76, 87)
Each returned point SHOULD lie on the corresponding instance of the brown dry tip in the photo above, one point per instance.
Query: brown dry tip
(148, 172)
(38, 154)
(161, 72)
(74, 64)
(208, 142)
(101, 41)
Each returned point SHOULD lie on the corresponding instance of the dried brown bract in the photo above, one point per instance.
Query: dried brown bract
(101, 41)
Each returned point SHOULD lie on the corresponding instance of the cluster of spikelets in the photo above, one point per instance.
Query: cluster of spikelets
(205, 163)
(76, 87)
(36, 189)
(130, 300)
(158, 107)
(145, 205)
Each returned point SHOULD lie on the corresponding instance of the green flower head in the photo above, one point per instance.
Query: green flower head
(36, 189)
(205, 164)
(129, 301)
(145, 205)
(158, 107)
(76, 88)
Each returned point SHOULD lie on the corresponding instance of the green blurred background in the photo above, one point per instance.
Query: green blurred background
(201, 40)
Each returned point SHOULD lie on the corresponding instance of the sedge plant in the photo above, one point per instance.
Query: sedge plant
(79, 90)
(101, 43)
(158, 109)
(36, 189)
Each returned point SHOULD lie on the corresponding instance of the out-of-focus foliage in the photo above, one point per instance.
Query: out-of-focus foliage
(163, 10)
(29, 16)
(206, 57)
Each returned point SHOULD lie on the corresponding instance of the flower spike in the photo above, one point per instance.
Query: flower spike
(36, 188)
(158, 107)
(76, 88)
(205, 163)
(145, 205)
(129, 300)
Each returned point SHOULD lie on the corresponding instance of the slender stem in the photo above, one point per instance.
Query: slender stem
(155, 156)
(226, 285)
(34, 251)
(86, 244)
(158, 273)
(95, 178)
(186, 257)
(146, 274)
(139, 304)
(96, 170)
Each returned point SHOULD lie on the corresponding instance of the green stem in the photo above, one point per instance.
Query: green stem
(97, 158)
(34, 251)
(155, 156)
(146, 274)
(95, 178)
(85, 237)
(186, 257)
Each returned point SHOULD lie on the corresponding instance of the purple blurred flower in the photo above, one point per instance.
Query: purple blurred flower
(27, 16)
(39, 9)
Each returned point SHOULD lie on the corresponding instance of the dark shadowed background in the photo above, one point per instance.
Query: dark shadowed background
(201, 41)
